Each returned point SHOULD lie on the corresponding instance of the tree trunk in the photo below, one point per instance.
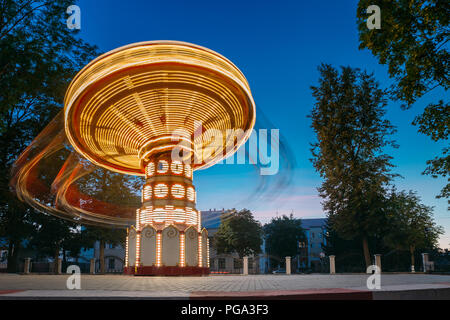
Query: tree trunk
(366, 252)
(12, 263)
(397, 260)
(101, 256)
(55, 259)
(15, 245)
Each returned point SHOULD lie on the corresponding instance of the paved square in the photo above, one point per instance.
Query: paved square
(14, 285)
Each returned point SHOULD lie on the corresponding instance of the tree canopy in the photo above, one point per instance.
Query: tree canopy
(435, 122)
(282, 236)
(411, 224)
(413, 42)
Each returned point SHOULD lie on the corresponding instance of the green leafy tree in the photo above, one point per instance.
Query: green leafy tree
(39, 56)
(413, 42)
(411, 224)
(240, 233)
(114, 188)
(282, 236)
(51, 234)
(348, 119)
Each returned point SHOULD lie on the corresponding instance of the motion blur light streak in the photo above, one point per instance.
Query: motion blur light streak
(47, 176)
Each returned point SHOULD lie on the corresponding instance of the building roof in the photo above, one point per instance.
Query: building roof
(211, 220)
(314, 223)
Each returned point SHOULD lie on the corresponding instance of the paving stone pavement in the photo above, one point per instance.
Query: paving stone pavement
(222, 283)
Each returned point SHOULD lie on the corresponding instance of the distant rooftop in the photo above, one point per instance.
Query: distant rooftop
(211, 220)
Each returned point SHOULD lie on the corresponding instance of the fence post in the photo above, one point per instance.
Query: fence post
(92, 266)
(27, 266)
(378, 261)
(425, 261)
(332, 265)
(288, 265)
(245, 265)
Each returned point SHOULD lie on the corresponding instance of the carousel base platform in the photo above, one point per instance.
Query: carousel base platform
(166, 271)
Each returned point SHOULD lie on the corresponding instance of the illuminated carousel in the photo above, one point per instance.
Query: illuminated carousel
(156, 109)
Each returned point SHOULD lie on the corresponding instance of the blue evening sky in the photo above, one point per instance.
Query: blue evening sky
(278, 46)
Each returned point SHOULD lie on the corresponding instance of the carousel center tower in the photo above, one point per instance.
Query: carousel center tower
(130, 109)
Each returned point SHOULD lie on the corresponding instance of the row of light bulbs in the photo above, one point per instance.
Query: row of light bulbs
(161, 190)
(168, 214)
(176, 167)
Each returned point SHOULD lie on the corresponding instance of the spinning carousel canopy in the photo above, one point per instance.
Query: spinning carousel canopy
(127, 103)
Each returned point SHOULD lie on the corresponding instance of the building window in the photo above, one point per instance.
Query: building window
(250, 263)
(211, 263)
(221, 263)
(237, 263)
